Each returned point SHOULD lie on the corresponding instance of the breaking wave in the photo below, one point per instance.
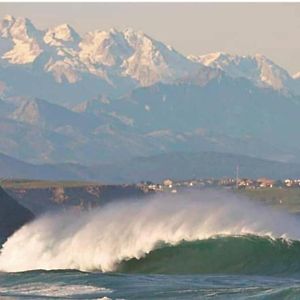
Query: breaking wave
(203, 232)
(247, 254)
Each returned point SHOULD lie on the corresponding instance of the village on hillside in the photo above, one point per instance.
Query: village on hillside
(231, 183)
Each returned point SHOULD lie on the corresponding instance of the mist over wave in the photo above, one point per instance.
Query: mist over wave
(103, 238)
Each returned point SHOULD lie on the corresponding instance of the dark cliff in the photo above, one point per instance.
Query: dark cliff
(43, 196)
(12, 215)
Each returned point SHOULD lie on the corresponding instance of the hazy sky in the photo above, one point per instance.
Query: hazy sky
(191, 28)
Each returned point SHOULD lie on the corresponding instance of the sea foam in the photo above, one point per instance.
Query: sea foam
(102, 238)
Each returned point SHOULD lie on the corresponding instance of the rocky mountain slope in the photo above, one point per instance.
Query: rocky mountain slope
(114, 95)
(225, 115)
(257, 68)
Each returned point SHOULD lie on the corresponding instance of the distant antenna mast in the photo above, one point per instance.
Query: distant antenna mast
(237, 176)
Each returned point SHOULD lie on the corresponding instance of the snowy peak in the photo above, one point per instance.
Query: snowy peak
(25, 37)
(5, 25)
(211, 58)
(123, 58)
(17, 28)
(258, 68)
(61, 35)
(108, 48)
(271, 74)
(153, 61)
(296, 76)
(136, 38)
(134, 54)
(12, 27)
(62, 52)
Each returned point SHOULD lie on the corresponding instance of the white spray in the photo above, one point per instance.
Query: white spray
(100, 239)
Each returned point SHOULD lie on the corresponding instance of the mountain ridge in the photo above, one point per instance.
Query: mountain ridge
(223, 115)
(257, 68)
(118, 94)
(114, 61)
(153, 168)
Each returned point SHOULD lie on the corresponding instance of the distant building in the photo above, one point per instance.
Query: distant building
(265, 182)
(168, 183)
(245, 182)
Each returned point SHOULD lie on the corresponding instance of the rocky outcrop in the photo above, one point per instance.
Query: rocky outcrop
(62, 196)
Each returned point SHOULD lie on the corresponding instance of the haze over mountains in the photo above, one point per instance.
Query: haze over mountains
(111, 96)
(153, 168)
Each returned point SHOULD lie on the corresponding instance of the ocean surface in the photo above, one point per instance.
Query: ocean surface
(204, 245)
(79, 285)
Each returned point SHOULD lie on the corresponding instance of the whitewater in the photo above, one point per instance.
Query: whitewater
(104, 238)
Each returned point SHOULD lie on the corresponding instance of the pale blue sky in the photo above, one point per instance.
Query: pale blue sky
(191, 28)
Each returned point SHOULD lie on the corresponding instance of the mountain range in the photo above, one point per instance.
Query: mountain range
(57, 64)
(113, 96)
(153, 168)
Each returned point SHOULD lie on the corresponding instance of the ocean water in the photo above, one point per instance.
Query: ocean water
(79, 285)
(200, 245)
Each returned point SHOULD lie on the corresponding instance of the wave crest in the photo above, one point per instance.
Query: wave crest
(103, 238)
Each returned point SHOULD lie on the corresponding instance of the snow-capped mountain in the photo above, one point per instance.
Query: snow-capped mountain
(105, 54)
(24, 38)
(116, 94)
(132, 54)
(68, 68)
(257, 68)
(296, 76)
(62, 35)
(152, 61)
(61, 55)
